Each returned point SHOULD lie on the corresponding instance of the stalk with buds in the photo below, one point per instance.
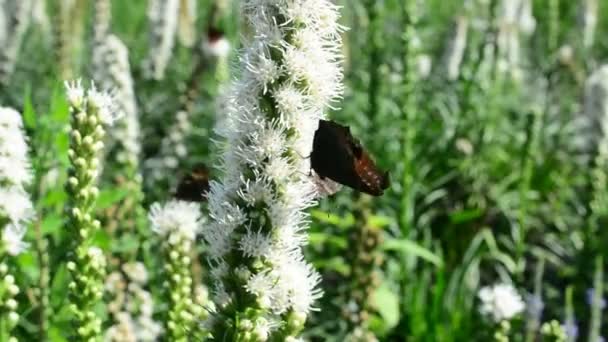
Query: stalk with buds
(90, 111)
(16, 211)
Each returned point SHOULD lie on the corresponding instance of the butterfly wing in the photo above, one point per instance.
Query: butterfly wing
(339, 156)
(371, 180)
(332, 155)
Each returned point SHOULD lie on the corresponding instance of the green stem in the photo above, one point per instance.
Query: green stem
(409, 112)
(596, 307)
(527, 171)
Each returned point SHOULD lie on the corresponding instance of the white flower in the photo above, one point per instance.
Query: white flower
(14, 163)
(147, 330)
(98, 260)
(500, 302)
(256, 244)
(176, 216)
(113, 73)
(12, 239)
(136, 271)
(103, 103)
(75, 92)
(10, 118)
(163, 17)
(272, 112)
(456, 46)
(15, 204)
(587, 19)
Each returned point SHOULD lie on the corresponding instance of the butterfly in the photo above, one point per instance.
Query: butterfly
(194, 186)
(339, 156)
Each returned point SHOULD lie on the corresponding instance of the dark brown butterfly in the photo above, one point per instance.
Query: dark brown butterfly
(339, 156)
(194, 186)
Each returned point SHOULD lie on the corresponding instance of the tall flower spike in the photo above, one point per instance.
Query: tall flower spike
(177, 223)
(17, 19)
(587, 19)
(90, 111)
(15, 208)
(130, 317)
(162, 21)
(455, 48)
(264, 289)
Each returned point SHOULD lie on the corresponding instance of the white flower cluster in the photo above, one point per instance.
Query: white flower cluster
(16, 208)
(456, 46)
(500, 302)
(290, 75)
(587, 19)
(514, 20)
(131, 306)
(595, 112)
(99, 101)
(176, 220)
(162, 18)
(113, 73)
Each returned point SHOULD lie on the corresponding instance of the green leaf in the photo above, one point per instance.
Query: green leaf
(410, 247)
(464, 216)
(380, 221)
(126, 243)
(59, 287)
(29, 115)
(109, 197)
(326, 240)
(332, 219)
(51, 223)
(387, 304)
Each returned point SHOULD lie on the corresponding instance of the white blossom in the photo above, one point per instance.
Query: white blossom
(112, 72)
(500, 302)
(181, 217)
(162, 21)
(257, 208)
(455, 49)
(12, 239)
(587, 18)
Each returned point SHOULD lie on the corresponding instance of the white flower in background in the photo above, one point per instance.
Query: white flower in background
(162, 21)
(180, 217)
(12, 239)
(595, 112)
(587, 19)
(455, 48)
(15, 204)
(424, 64)
(258, 208)
(14, 161)
(514, 19)
(112, 72)
(500, 302)
(3, 20)
(17, 17)
(136, 271)
(16, 209)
